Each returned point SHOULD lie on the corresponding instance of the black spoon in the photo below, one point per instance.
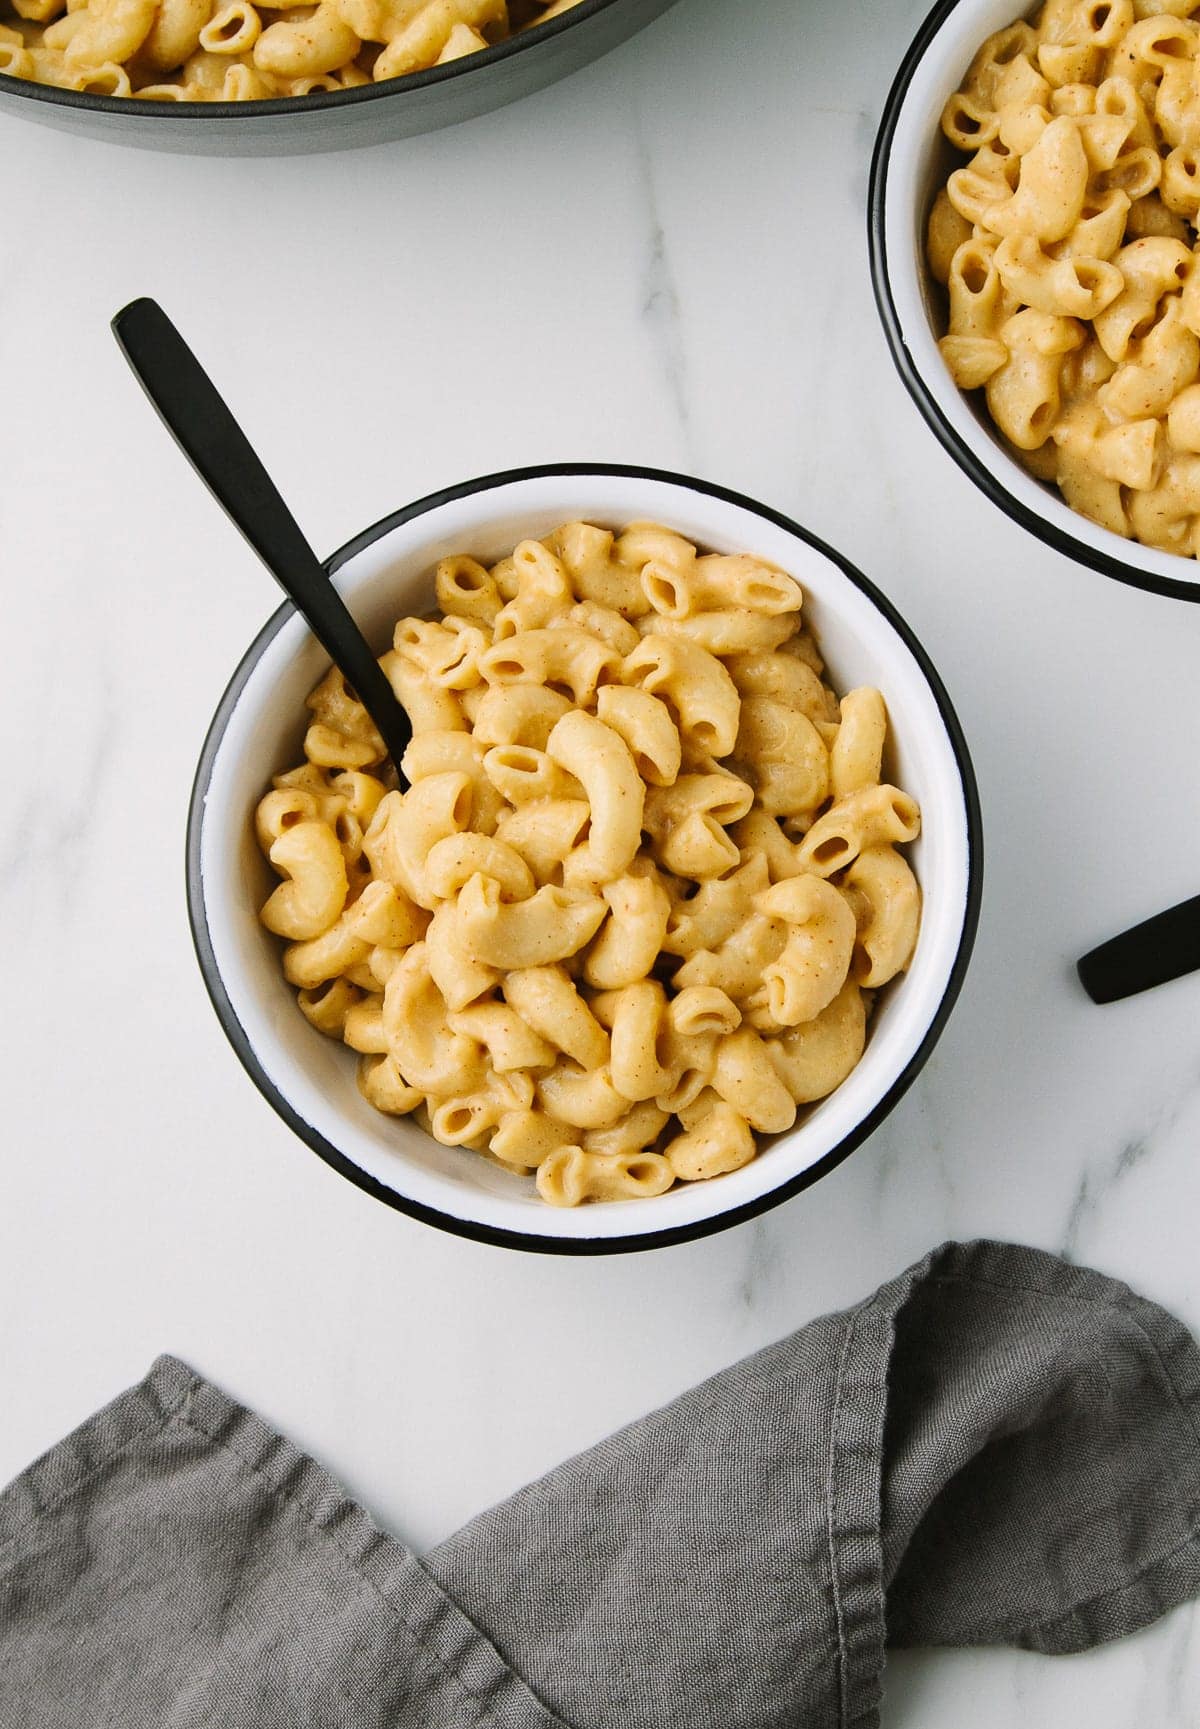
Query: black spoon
(1164, 947)
(215, 445)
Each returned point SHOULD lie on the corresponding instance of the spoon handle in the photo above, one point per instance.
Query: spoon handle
(1164, 947)
(202, 426)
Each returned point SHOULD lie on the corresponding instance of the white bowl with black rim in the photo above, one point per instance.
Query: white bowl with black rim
(911, 161)
(257, 731)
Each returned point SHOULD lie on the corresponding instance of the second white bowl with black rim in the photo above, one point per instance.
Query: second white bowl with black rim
(911, 161)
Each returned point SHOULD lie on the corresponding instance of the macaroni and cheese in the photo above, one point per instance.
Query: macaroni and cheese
(633, 907)
(246, 50)
(1067, 249)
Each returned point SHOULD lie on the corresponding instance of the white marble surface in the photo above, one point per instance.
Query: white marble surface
(662, 260)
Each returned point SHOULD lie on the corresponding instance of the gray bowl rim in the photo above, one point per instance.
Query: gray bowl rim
(532, 1241)
(246, 113)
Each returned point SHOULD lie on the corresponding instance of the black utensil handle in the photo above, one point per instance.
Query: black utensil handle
(1164, 947)
(199, 421)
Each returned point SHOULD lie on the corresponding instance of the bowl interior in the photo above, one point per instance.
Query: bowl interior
(262, 735)
(908, 180)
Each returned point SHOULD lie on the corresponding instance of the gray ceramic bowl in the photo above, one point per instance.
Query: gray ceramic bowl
(342, 119)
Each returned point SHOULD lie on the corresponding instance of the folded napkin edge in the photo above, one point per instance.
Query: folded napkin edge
(172, 1397)
(93, 1445)
(1169, 1578)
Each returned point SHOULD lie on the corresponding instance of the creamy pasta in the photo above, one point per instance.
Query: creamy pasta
(633, 908)
(246, 50)
(1067, 248)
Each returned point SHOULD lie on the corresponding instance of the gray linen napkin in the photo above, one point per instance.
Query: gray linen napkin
(995, 1448)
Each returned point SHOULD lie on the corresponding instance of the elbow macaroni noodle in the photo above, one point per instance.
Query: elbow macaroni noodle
(1067, 248)
(246, 50)
(634, 906)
